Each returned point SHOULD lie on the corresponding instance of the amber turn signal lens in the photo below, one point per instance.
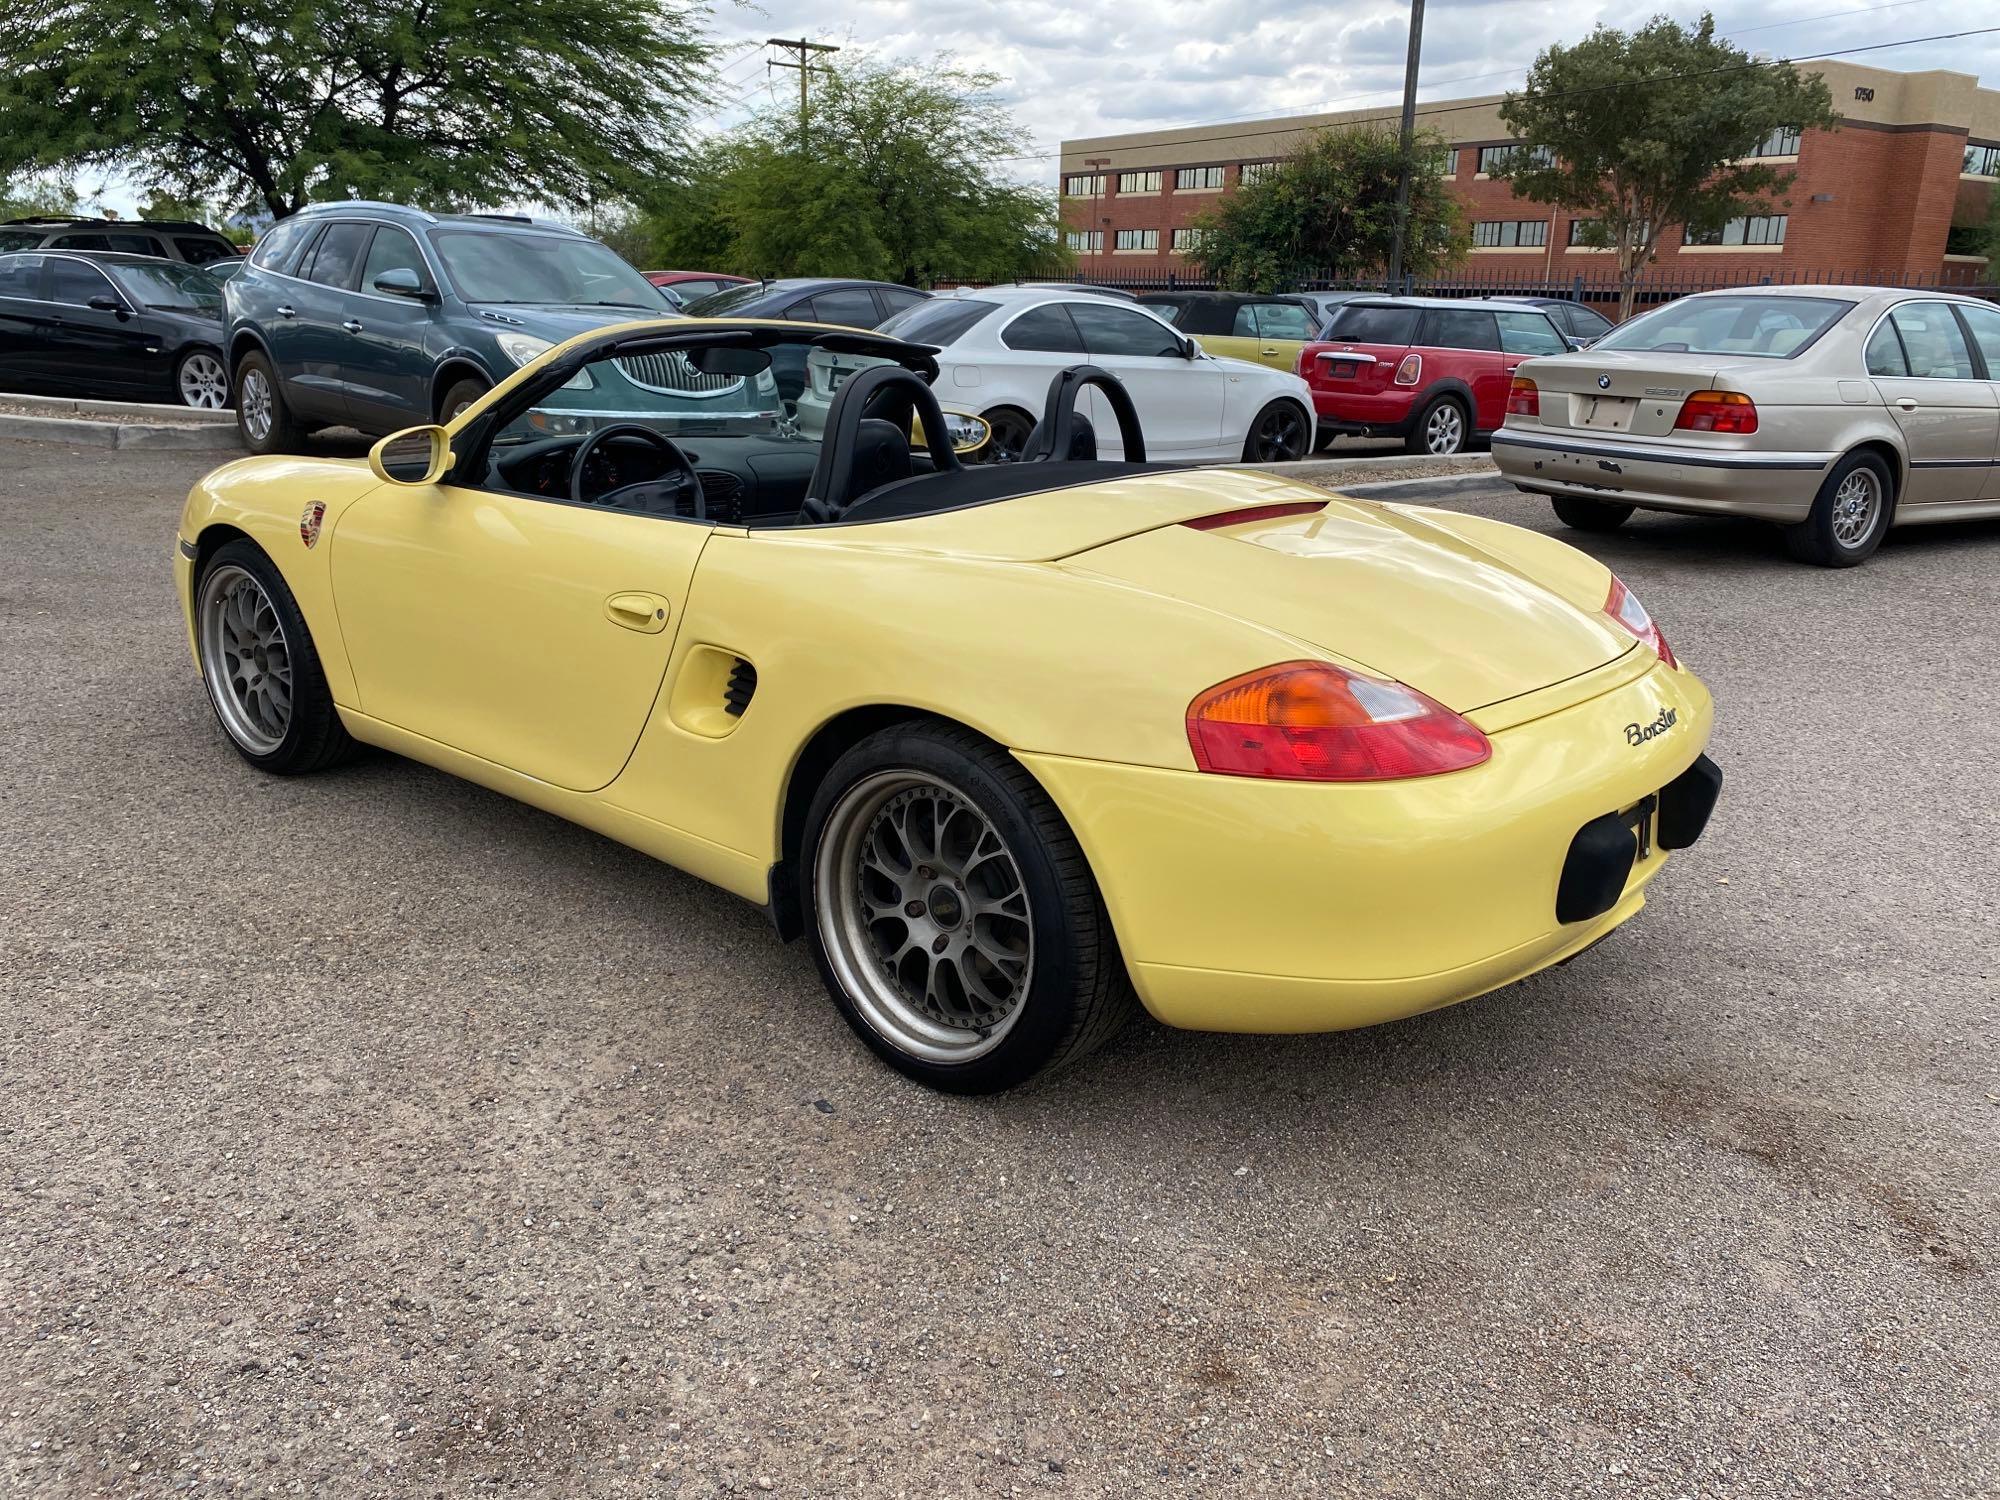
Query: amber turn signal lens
(1313, 721)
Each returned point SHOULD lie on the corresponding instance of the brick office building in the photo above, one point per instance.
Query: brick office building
(1874, 199)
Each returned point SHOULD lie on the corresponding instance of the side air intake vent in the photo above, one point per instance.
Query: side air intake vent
(742, 686)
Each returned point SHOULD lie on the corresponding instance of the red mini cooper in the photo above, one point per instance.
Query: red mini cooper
(1432, 371)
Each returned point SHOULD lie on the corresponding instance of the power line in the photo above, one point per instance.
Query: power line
(805, 66)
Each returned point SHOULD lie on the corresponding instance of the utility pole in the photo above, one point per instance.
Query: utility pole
(1409, 132)
(804, 65)
(1095, 165)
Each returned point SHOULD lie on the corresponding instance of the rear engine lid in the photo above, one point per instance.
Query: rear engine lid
(1391, 591)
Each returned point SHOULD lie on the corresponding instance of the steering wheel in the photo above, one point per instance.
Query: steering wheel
(659, 497)
(1054, 436)
(865, 394)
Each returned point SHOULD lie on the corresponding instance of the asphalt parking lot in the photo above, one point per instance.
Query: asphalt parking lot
(371, 1135)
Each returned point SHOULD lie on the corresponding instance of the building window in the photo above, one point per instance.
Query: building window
(1506, 234)
(1577, 227)
(1784, 141)
(1255, 171)
(1083, 185)
(1139, 182)
(1189, 179)
(1982, 161)
(1499, 158)
(1760, 229)
(1088, 241)
(1138, 239)
(1444, 161)
(1186, 240)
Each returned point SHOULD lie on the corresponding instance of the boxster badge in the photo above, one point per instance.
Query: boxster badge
(309, 520)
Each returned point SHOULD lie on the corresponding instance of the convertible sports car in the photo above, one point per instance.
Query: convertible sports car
(1012, 745)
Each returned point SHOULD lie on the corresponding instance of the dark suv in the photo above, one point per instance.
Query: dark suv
(169, 239)
(381, 317)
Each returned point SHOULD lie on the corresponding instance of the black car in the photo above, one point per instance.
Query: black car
(807, 299)
(167, 239)
(1573, 320)
(127, 327)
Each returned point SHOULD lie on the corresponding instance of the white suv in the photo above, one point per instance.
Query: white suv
(999, 347)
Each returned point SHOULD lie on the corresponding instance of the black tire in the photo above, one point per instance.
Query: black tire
(313, 737)
(459, 395)
(1011, 427)
(1281, 434)
(1826, 536)
(1075, 995)
(1590, 515)
(263, 420)
(1421, 438)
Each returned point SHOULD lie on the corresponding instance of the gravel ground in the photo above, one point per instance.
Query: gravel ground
(371, 1135)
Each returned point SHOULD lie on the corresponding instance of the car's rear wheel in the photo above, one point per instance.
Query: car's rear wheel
(1590, 515)
(1010, 426)
(262, 418)
(461, 394)
(1441, 428)
(1850, 514)
(952, 914)
(260, 667)
(200, 380)
(1281, 434)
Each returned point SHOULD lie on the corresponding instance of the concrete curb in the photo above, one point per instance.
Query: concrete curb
(82, 432)
(77, 406)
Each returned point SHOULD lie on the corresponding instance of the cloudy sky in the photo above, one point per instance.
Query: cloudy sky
(1095, 67)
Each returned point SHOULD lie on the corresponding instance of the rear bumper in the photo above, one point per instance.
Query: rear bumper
(1390, 414)
(1244, 905)
(1772, 486)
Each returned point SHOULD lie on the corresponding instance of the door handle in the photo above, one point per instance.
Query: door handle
(287, 311)
(645, 613)
(352, 325)
(1905, 403)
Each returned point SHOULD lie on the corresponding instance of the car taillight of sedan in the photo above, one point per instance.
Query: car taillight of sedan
(1717, 411)
(1523, 399)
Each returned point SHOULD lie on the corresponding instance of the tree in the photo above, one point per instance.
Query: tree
(269, 104)
(1651, 129)
(1330, 210)
(34, 198)
(894, 182)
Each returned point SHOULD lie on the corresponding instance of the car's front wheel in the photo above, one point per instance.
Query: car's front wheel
(1441, 429)
(1590, 515)
(262, 418)
(461, 395)
(260, 667)
(1281, 434)
(952, 914)
(200, 381)
(1850, 514)
(1010, 427)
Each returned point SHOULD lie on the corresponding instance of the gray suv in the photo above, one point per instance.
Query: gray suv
(381, 317)
(168, 239)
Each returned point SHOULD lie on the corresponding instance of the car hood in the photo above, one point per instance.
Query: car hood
(1470, 611)
(557, 321)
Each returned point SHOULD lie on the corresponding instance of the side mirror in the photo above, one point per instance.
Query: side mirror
(416, 456)
(103, 303)
(1190, 349)
(1576, 343)
(401, 281)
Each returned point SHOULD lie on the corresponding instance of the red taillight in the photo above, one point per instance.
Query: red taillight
(1717, 411)
(1312, 721)
(1623, 606)
(1523, 400)
(1411, 370)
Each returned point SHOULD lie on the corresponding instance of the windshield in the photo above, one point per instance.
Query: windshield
(1757, 327)
(939, 321)
(168, 284)
(721, 304)
(550, 269)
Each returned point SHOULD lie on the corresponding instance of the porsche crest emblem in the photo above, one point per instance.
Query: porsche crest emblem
(309, 520)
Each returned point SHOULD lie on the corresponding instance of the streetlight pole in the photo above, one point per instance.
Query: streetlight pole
(1095, 165)
(1408, 133)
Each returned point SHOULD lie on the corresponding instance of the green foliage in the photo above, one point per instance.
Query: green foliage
(894, 182)
(1330, 210)
(37, 197)
(1649, 129)
(269, 104)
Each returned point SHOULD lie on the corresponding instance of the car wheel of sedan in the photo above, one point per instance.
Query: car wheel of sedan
(1010, 428)
(1280, 435)
(952, 914)
(1590, 515)
(1849, 515)
(1441, 429)
(461, 395)
(262, 417)
(259, 666)
(201, 381)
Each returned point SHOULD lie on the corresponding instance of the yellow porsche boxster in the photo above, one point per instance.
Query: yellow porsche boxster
(1014, 746)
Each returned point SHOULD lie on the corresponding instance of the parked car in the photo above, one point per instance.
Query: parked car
(999, 348)
(164, 239)
(692, 286)
(1836, 411)
(805, 299)
(1241, 325)
(373, 315)
(1015, 748)
(1572, 319)
(1431, 371)
(122, 327)
(1079, 286)
(1326, 304)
